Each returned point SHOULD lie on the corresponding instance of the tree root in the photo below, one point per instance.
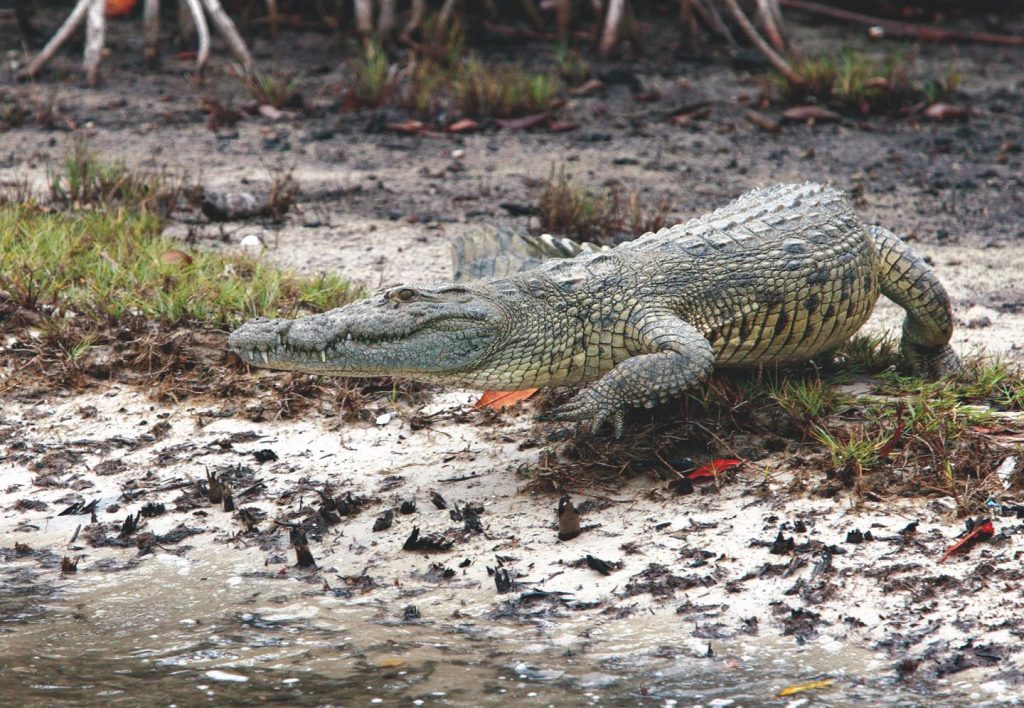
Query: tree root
(91, 12)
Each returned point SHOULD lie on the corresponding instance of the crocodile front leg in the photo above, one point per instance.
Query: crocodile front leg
(678, 358)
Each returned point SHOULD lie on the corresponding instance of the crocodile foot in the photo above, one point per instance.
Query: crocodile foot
(591, 411)
(933, 363)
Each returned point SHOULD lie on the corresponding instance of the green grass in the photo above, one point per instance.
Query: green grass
(854, 83)
(850, 446)
(502, 91)
(806, 399)
(110, 264)
(373, 76)
(277, 88)
(571, 66)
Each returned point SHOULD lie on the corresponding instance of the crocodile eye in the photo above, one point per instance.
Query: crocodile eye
(403, 294)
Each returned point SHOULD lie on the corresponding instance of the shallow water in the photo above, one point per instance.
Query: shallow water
(171, 631)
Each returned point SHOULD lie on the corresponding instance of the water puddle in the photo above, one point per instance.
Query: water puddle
(171, 631)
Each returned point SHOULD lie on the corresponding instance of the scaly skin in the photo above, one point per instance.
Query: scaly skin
(777, 276)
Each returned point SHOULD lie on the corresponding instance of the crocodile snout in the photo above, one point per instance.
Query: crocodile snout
(260, 334)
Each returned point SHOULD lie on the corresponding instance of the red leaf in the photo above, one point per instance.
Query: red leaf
(496, 400)
(897, 435)
(981, 532)
(713, 468)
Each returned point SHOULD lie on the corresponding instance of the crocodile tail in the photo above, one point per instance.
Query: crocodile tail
(488, 251)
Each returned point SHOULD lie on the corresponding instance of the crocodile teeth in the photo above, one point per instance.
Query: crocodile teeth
(266, 358)
(323, 356)
(348, 337)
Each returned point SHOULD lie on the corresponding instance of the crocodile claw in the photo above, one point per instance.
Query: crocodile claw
(590, 412)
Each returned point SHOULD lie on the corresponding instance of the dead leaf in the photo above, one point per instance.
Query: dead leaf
(587, 87)
(764, 122)
(175, 258)
(561, 126)
(271, 113)
(496, 400)
(524, 123)
(945, 111)
(410, 127)
(801, 687)
(811, 114)
(647, 97)
(466, 125)
(690, 113)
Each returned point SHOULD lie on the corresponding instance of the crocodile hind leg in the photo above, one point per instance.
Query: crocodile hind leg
(909, 282)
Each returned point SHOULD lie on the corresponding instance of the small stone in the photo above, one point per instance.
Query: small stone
(251, 244)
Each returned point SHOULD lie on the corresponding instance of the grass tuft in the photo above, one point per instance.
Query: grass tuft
(570, 210)
(571, 66)
(869, 354)
(374, 76)
(83, 181)
(13, 113)
(280, 89)
(441, 43)
(502, 91)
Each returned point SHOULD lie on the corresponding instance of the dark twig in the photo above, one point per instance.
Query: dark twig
(894, 28)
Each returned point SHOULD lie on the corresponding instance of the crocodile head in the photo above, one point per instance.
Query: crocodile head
(445, 333)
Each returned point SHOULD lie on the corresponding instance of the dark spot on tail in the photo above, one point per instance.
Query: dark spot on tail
(781, 323)
(812, 302)
(745, 327)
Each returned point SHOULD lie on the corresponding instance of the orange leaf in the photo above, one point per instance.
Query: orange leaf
(496, 400)
(119, 8)
(712, 468)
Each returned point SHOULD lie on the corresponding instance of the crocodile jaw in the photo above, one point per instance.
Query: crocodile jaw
(438, 340)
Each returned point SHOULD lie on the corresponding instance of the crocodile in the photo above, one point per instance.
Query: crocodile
(778, 276)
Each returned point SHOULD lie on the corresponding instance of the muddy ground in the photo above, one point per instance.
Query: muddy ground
(382, 207)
